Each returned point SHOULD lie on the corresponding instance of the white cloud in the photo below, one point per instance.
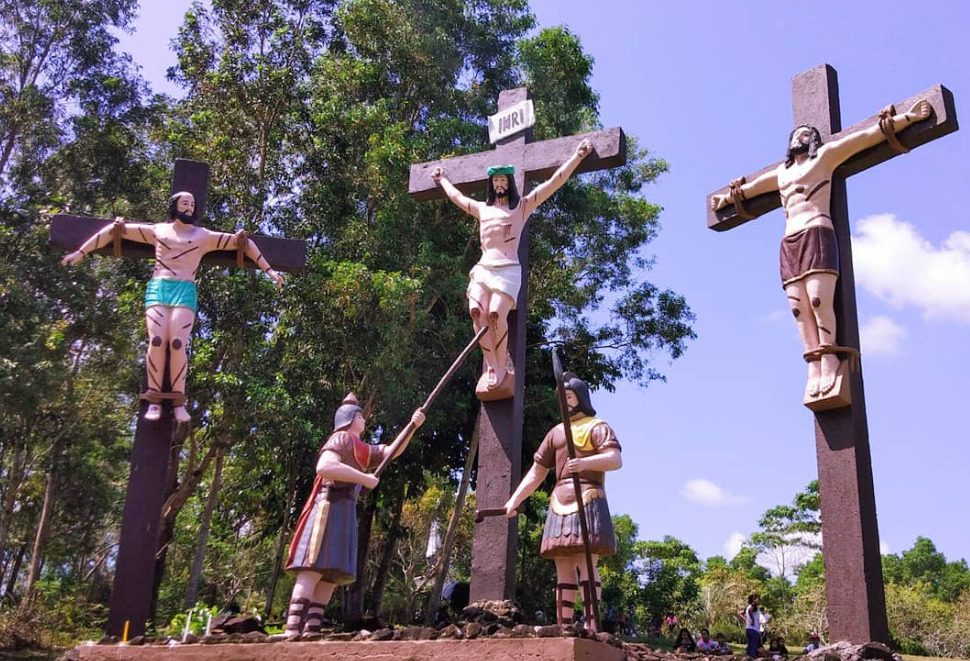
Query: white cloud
(893, 261)
(881, 336)
(884, 548)
(733, 544)
(705, 492)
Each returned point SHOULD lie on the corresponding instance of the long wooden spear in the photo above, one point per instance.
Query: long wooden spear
(577, 490)
(409, 428)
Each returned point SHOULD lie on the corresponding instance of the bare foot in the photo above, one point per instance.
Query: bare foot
(153, 412)
(814, 374)
(181, 415)
(495, 377)
(830, 370)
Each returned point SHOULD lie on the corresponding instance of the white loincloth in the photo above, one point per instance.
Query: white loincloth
(506, 279)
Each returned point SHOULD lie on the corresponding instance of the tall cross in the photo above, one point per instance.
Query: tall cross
(135, 569)
(495, 541)
(850, 536)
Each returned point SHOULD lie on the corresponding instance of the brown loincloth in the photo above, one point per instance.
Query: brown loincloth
(813, 250)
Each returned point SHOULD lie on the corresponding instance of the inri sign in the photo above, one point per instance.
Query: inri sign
(511, 120)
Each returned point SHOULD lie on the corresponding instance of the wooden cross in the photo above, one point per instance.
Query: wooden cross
(131, 593)
(850, 536)
(494, 546)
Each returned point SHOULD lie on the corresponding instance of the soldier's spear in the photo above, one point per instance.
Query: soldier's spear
(409, 428)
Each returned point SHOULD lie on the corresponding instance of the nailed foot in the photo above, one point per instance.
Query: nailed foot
(830, 371)
(181, 415)
(153, 412)
(814, 375)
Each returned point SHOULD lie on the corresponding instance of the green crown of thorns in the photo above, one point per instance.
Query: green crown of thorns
(501, 169)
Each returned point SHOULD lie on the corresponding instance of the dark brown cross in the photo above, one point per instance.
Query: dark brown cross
(850, 535)
(494, 546)
(131, 593)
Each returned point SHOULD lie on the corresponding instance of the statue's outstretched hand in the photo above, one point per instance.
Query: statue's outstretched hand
(417, 418)
(921, 110)
(585, 148)
(437, 174)
(718, 202)
(72, 258)
(275, 277)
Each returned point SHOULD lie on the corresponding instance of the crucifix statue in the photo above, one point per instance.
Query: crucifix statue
(170, 298)
(817, 276)
(495, 280)
(505, 248)
(178, 247)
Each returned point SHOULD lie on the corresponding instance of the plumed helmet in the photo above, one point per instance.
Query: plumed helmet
(346, 412)
(579, 387)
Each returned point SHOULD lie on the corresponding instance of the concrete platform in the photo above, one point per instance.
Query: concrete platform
(503, 649)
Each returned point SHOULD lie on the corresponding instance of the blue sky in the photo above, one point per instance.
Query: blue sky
(707, 86)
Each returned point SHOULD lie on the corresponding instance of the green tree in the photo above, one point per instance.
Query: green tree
(671, 575)
(924, 563)
(786, 532)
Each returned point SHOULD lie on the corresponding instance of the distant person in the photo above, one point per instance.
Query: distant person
(723, 646)
(752, 626)
(777, 649)
(671, 622)
(765, 619)
(707, 644)
(814, 642)
(441, 618)
(685, 642)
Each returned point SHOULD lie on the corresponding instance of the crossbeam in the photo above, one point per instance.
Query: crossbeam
(538, 160)
(69, 232)
(942, 122)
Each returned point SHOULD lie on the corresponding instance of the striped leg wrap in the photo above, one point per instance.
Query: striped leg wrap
(562, 603)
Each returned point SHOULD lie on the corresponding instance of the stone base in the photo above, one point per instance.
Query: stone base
(839, 397)
(506, 649)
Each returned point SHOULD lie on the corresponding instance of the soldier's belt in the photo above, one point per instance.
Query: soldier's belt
(564, 510)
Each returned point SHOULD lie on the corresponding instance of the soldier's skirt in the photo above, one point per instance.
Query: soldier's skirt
(325, 540)
(562, 535)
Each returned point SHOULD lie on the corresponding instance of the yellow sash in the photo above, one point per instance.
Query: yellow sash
(583, 432)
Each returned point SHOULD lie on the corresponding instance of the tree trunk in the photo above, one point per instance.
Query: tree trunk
(43, 530)
(353, 602)
(384, 568)
(444, 558)
(12, 579)
(192, 589)
(10, 495)
(284, 534)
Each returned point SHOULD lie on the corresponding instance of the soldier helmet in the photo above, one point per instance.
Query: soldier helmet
(581, 390)
(346, 412)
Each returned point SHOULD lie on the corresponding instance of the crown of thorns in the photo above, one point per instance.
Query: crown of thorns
(501, 169)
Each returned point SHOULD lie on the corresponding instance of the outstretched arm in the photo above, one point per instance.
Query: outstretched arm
(839, 151)
(458, 198)
(417, 419)
(765, 183)
(529, 484)
(140, 232)
(231, 242)
(544, 191)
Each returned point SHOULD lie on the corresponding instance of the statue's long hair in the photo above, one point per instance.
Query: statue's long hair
(813, 144)
(513, 193)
